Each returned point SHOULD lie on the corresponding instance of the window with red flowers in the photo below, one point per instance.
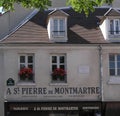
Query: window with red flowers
(26, 67)
(58, 68)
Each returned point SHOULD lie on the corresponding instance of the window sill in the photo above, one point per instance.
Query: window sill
(114, 38)
(25, 83)
(114, 80)
(60, 36)
(58, 84)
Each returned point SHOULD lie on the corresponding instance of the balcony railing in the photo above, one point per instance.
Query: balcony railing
(58, 33)
(114, 34)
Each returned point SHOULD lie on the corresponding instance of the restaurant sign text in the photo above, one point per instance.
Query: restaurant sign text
(52, 91)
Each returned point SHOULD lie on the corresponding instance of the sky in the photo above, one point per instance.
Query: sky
(1, 9)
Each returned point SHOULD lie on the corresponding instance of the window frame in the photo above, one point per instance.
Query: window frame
(116, 67)
(26, 63)
(114, 28)
(59, 32)
(58, 66)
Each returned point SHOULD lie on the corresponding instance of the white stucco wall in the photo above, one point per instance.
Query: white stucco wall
(82, 71)
(1, 84)
(105, 28)
(48, 27)
(111, 85)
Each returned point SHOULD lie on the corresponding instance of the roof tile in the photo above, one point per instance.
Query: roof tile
(81, 29)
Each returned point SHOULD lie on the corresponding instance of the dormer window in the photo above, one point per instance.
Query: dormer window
(110, 25)
(115, 26)
(58, 27)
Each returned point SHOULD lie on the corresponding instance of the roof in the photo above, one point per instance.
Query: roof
(112, 12)
(81, 29)
(58, 12)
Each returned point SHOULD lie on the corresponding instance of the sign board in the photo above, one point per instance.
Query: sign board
(62, 106)
(10, 82)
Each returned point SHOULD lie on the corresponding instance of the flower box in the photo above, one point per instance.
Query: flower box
(58, 74)
(26, 74)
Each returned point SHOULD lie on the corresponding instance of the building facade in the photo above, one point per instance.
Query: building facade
(49, 95)
(62, 63)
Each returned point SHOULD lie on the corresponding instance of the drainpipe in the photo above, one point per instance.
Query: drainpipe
(100, 71)
(100, 75)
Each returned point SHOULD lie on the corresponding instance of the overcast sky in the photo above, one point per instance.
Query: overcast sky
(0, 9)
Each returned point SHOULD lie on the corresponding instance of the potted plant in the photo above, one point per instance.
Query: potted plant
(26, 74)
(58, 74)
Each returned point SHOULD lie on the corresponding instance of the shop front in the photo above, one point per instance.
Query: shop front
(53, 108)
(111, 108)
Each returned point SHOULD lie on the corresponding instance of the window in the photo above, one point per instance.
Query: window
(114, 64)
(58, 68)
(26, 67)
(58, 27)
(114, 26)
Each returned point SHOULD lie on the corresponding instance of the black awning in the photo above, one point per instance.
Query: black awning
(52, 106)
(112, 109)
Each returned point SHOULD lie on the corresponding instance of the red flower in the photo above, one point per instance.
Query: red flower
(25, 73)
(59, 72)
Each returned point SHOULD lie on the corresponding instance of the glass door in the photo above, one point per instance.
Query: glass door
(64, 114)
